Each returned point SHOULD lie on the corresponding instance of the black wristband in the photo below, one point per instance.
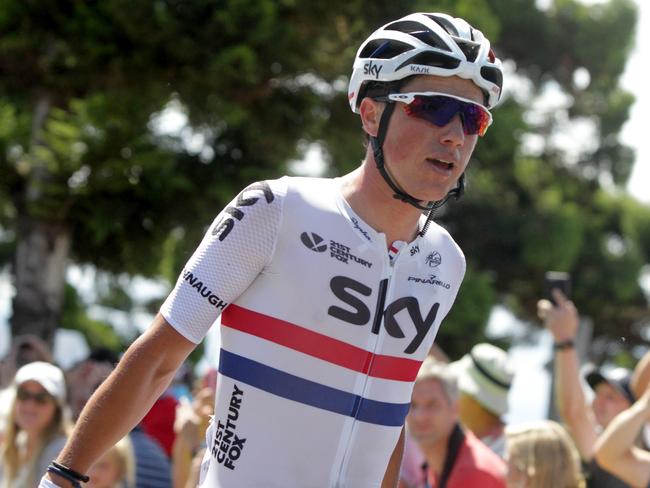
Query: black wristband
(565, 344)
(63, 474)
(69, 473)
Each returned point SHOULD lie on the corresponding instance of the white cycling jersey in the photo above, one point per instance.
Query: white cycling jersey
(322, 334)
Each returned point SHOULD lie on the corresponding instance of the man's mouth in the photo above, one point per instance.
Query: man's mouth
(441, 165)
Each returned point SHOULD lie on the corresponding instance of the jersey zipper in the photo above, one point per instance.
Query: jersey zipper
(384, 286)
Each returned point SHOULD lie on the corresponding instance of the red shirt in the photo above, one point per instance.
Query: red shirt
(158, 423)
(475, 465)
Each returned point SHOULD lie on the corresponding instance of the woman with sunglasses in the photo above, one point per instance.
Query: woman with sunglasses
(36, 427)
(329, 291)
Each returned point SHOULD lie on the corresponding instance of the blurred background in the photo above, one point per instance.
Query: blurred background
(125, 127)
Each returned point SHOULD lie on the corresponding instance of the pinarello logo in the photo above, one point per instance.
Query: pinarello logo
(313, 241)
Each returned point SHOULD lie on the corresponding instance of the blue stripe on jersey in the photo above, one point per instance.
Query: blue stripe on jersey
(309, 392)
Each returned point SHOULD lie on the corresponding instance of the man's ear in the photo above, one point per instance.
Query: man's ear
(370, 111)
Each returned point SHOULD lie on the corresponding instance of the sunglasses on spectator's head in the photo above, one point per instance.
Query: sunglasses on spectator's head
(41, 397)
(440, 108)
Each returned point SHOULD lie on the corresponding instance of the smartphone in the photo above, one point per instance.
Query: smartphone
(559, 280)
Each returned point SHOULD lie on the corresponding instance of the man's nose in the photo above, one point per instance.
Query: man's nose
(453, 132)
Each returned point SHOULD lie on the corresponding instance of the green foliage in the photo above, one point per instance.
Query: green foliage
(258, 82)
(97, 333)
(465, 323)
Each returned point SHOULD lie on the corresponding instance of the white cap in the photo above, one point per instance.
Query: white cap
(45, 374)
(485, 374)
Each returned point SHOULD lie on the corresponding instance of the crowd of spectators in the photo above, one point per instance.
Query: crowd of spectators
(456, 429)
(39, 403)
(457, 434)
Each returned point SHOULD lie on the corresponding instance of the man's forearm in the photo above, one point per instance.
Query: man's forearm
(391, 476)
(572, 404)
(126, 396)
(570, 397)
(618, 438)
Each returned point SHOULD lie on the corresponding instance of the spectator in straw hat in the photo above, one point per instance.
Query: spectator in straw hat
(484, 379)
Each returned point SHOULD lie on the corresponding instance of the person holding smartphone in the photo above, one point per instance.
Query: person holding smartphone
(584, 420)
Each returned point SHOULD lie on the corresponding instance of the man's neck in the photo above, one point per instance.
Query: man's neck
(372, 199)
(436, 451)
(435, 454)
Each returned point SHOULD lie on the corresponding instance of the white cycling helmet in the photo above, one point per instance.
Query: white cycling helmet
(426, 44)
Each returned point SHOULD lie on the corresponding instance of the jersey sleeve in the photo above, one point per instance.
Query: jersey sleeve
(233, 252)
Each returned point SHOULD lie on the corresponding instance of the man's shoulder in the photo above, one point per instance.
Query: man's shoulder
(294, 185)
(305, 183)
(302, 193)
(481, 451)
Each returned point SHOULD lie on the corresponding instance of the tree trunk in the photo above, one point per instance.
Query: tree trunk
(42, 249)
(39, 270)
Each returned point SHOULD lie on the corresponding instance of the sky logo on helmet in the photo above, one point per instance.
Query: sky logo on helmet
(372, 69)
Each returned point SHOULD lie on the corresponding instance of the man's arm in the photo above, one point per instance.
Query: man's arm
(615, 449)
(391, 476)
(140, 377)
(562, 321)
(641, 376)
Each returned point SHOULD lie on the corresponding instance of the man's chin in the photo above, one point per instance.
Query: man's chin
(424, 438)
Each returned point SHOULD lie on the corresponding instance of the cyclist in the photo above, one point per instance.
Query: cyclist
(329, 291)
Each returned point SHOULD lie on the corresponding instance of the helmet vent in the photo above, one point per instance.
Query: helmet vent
(429, 58)
(419, 31)
(445, 24)
(470, 49)
(493, 75)
(384, 49)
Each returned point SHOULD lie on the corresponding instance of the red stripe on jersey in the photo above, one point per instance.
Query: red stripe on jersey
(319, 345)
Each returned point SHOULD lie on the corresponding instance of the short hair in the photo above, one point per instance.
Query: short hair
(544, 452)
(432, 369)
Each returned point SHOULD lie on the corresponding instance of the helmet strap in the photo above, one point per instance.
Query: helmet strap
(378, 152)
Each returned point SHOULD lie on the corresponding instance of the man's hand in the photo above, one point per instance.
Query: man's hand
(561, 320)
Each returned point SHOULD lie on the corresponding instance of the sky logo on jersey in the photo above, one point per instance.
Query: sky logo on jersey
(357, 312)
(227, 446)
(204, 291)
(226, 223)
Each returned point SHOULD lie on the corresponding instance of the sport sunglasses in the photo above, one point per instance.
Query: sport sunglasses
(440, 108)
